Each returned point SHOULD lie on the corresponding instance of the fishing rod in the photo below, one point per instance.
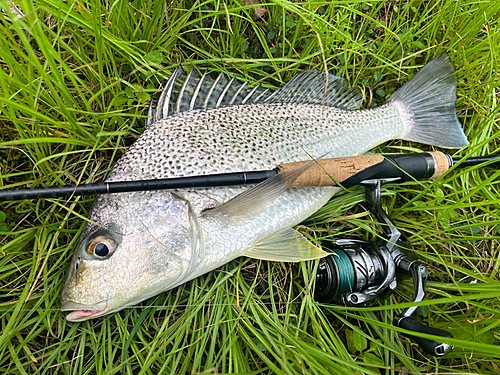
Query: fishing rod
(356, 273)
(347, 172)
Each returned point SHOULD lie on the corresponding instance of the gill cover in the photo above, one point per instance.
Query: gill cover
(152, 245)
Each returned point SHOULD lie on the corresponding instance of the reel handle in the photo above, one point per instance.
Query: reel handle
(435, 348)
(418, 273)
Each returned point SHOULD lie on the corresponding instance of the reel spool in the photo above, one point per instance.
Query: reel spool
(357, 273)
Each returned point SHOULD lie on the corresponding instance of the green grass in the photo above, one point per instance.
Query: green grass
(75, 83)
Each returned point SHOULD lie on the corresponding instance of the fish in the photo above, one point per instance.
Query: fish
(137, 245)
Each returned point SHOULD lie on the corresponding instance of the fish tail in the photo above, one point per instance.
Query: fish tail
(427, 105)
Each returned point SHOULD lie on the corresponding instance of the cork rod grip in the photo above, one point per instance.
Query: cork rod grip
(442, 163)
(329, 171)
(355, 169)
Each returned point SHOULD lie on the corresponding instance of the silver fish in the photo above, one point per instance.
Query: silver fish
(137, 245)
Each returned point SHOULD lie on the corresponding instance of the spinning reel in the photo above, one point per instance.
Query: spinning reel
(360, 272)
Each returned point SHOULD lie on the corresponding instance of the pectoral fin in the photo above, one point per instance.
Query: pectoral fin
(257, 199)
(286, 245)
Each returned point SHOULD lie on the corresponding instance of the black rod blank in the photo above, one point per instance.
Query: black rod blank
(470, 162)
(223, 179)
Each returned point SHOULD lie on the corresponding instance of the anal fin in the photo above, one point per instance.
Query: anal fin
(286, 245)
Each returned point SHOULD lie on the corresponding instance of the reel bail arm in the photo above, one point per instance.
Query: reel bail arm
(359, 272)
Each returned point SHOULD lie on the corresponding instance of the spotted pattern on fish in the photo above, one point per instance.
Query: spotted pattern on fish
(161, 239)
(252, 137)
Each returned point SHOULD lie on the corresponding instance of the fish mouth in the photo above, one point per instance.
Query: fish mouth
(81, 312)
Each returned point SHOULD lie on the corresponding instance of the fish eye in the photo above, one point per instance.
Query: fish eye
(101, 247)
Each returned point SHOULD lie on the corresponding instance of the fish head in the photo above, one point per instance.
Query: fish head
(134, 246)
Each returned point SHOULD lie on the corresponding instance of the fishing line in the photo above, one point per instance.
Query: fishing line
(324, 304)
(346, 278)
(179, 306)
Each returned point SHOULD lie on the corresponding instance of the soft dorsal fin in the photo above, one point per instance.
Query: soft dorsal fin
(187, 92)
(308, 87)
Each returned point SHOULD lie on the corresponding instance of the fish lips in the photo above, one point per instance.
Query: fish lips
(81, 312)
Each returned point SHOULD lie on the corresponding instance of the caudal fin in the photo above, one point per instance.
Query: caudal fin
(428, 102)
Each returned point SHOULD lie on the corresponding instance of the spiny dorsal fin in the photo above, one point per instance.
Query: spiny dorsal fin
(184, 92)
(187, 92)
(166, 101)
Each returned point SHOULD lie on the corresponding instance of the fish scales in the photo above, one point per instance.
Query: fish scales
(139, 244)
(251, 137)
